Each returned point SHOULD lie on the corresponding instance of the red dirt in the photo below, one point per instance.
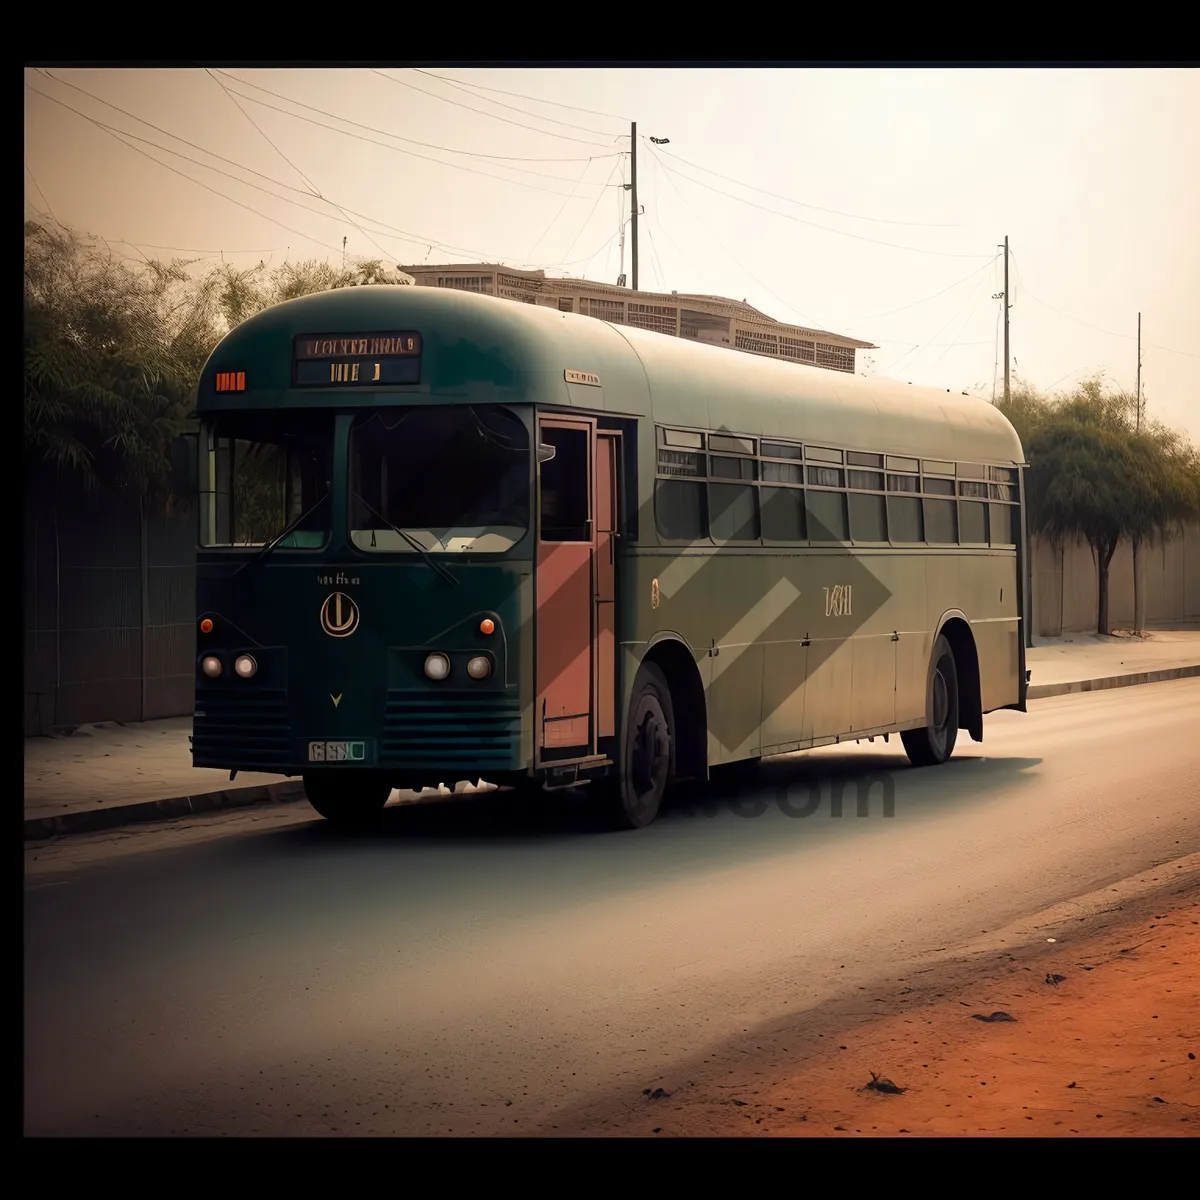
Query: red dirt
(1111, 1049)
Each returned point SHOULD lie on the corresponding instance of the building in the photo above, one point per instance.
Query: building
(711, 319)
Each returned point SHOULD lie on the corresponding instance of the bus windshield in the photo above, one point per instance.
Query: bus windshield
(262, 472)
(452, 478)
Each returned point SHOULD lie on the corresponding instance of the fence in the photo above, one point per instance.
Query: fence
(1066, 593)
(109, 605)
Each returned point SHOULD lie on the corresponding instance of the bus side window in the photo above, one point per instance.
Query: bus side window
(564, 487)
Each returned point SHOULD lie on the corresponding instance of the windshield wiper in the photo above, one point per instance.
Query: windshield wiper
(290, 528)
(437, 567)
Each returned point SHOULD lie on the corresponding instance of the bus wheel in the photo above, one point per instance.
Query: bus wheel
(636, 793)
(935, 743)
(347, 800)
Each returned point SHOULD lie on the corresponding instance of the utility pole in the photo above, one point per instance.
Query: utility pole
(1139, 375)
(1139, 583)
(1006, 358)
(343, 254)
(634, 202)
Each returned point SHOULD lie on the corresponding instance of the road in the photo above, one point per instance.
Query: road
(456, 974)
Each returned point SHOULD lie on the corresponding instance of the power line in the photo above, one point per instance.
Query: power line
(813, 224)
(387, 231)
(312, 187)
(728, 253)
(803, 204)
(45, 200)
(511, 107)
(1099, 329)
(906, 307)
(316, 190)
(588, 219)
(925, 345)
(561, 209)
(519, 96)
(413, 153)
(499, 158)
(483, 113)
(662, 275)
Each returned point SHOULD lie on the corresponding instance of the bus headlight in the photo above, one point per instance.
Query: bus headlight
(479, 668)
(437, 666)
(211, 666)
(245, 666)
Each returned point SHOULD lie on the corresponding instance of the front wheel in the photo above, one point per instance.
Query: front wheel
(935, 743)
(347, 799)
(646, 758)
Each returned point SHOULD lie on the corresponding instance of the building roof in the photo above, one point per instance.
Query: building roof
(723, 305)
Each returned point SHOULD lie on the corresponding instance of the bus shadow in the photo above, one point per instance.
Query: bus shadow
(811, 799)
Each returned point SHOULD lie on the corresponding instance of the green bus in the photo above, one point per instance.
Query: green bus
(448, 537)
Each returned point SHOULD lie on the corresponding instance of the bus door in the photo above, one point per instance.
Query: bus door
(565, 589)
(608, 456)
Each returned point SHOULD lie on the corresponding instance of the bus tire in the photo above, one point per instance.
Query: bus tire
(635, 793)
(346, 801)
(935, 743)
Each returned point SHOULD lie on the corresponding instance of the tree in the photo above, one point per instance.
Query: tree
(112, 354)
(113, 350)
(1095, 476)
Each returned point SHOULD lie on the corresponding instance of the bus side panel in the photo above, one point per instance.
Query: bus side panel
(998, 641)
(908, 584)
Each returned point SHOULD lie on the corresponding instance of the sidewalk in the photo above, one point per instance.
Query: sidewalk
(1083, 662)
(103, 776)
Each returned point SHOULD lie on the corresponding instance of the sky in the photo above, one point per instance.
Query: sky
(872, 203)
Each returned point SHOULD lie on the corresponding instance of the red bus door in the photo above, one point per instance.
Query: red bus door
(565, 590)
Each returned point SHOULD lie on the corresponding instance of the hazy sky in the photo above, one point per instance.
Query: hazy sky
(882, 195)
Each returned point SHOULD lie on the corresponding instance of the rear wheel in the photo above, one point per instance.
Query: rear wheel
(647, 754)
(348, 800)
(935, 743)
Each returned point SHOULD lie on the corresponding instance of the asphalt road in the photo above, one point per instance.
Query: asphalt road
(459, 974)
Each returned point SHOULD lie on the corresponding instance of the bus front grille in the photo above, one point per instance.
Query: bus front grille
(241, 728)
(451, 730)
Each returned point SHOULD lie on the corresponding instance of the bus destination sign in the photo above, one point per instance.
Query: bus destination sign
(357, 359)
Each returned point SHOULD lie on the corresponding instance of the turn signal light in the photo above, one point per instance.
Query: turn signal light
(487, 625)
(206, 626)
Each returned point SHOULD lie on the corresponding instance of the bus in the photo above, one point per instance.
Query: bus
(450, 538)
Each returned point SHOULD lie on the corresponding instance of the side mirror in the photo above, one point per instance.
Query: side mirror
(185, 465)
(545, 453)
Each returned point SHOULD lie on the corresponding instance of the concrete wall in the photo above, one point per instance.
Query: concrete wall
(1066, 585)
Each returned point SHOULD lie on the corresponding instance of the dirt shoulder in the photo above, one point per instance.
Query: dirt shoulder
(1100, 1036)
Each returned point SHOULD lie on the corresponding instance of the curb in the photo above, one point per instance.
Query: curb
(1040, 692)
(92, 820)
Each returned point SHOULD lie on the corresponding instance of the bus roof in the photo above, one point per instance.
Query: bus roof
(481, 349)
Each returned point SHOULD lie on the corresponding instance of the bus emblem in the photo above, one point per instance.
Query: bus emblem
(654, 593)
(339, 615)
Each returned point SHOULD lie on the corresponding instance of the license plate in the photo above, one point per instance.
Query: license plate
(351, 752)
